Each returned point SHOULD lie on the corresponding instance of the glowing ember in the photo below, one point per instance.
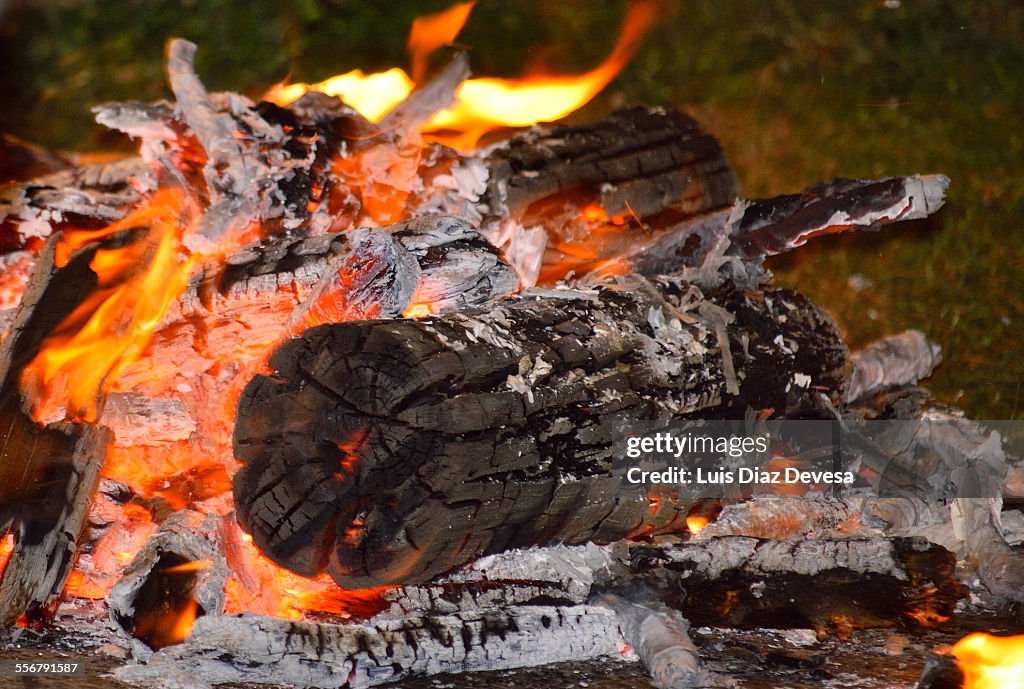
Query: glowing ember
(482, 104)
(6, 548)
(991, 662)
(696, 524)
(421, 310)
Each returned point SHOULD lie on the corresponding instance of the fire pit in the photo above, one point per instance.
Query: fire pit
(319, 391)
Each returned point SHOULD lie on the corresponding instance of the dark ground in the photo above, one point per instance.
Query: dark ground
(799, 91)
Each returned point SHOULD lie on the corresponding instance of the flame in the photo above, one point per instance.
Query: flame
(418, 310)
(486, 104)
(166, 627)
(6, 548)
(373, 95)
(257, 585)
(182, 626)
(194, 566)
(991, 662)
(696, 523)
(481, 105)
(112, 327)
(432, 31)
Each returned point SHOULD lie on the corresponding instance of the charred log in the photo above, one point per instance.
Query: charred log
(246, 648)
(832, 586)
(639, 161)
(414, 446)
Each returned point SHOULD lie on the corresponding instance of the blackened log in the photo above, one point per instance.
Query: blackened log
(393, 451)
(641, 161)
(831, 585)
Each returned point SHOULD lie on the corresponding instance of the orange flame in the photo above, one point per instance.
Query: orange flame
(194, 566)
(991, 662)
(112, 327)
(487, 104)
(432, 31)
(180, 627)
(6, 548)
(482, 104)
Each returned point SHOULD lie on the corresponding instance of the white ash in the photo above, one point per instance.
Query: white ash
(808, 557)
(249, 648)
(575, 568)
(895, 361)
(660, 637)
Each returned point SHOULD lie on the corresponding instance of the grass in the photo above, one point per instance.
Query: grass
(798, 92)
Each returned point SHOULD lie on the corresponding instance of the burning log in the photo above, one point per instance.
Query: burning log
(47, 474)
(177, 577)
(414, 446)
(231, 315)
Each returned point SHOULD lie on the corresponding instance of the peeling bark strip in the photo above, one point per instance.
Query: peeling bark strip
(772, 226)
(247, 648)
(393, 451)
(833, 586)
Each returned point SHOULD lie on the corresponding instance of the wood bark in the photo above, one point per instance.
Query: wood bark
(410, 447)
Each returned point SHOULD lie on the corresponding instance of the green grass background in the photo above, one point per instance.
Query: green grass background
(798, 92)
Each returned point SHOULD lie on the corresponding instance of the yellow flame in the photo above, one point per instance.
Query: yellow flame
(485, 104)
(114, 325)
(418, 310)
(373, 95)
(991, 662)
